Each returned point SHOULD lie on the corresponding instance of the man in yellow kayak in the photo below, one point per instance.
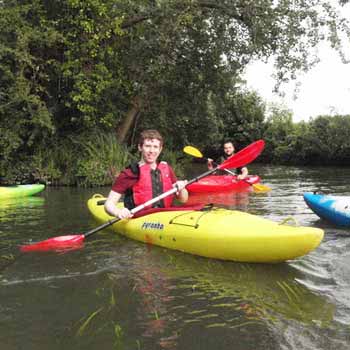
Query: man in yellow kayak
(229, 150)
(145, 180)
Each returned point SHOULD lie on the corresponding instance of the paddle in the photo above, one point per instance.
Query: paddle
(195, 152)
(241, 158)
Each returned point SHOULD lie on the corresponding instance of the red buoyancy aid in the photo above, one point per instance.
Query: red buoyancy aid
(143, 190)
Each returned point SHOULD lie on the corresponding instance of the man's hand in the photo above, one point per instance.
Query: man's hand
(180, 185)
(123, 213)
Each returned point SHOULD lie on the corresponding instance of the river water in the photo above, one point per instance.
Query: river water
(115, 293)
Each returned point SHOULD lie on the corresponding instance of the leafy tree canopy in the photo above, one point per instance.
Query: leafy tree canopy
(71, 66)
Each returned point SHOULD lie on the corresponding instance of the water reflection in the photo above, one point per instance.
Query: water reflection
(20, 209)
(174, 298)
(17, 216)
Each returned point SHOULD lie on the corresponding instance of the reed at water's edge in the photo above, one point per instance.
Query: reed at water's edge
(90, 160)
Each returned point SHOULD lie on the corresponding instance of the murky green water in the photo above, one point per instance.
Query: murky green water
(119, 294)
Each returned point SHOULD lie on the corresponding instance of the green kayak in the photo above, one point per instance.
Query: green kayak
(17, 191)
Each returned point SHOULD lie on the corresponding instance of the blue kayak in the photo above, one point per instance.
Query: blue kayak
(335, 209)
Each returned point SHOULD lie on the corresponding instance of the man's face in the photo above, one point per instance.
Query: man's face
(150, 150)
(229, 149)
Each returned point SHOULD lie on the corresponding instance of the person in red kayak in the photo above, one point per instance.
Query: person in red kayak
(229, 150)
(145, 180)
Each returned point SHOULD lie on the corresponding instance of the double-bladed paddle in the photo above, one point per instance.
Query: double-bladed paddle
(195, 152)
(241, 158)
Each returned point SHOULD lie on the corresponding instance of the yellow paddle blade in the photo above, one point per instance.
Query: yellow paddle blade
(261, 188)
(193, 151)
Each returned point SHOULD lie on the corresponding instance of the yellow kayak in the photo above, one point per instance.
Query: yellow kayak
(216, 233)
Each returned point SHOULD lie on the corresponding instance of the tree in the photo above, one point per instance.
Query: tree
(185, 52)
(24, 113)
(326, 140)
(242, 115)
(278, 134)
(79, 65)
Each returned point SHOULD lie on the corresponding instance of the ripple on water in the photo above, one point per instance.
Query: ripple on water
(327, 271)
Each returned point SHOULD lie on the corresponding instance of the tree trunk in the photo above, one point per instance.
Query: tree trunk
(124, 128)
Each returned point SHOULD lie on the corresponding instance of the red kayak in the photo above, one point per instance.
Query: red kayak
(230, 199)
(219, 183)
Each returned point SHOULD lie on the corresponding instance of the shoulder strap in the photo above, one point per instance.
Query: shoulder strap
(128, 196)
(134, 167)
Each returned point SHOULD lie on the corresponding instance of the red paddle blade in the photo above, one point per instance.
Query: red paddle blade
(60, 243)
(244, 156)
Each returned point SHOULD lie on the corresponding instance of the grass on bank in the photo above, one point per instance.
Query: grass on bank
(85, 161)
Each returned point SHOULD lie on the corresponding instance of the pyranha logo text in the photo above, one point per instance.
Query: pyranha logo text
(152, 225)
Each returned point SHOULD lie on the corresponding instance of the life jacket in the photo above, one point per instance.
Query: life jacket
(151, 184)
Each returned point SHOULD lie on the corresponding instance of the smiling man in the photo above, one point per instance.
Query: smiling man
(145, 180)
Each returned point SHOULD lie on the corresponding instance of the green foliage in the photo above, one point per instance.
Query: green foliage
(242, 114)
(25, 119)
(89, 160)
(73, 67)
(323, 140)
(177, 160)
(278, 133)
(102, 158)
(327, 140)
(45, 165)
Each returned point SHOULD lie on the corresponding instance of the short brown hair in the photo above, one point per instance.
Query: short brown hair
(228, 141)
(150, 134)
